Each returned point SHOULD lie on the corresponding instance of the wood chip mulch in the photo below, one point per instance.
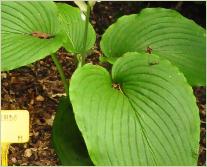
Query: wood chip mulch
(37, 87)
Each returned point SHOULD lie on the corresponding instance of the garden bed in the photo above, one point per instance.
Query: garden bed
(37, 87)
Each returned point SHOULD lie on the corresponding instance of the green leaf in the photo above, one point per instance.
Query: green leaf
(20, 21)
(74, 27)
(152, 120)
(167, 33)
(67, 140)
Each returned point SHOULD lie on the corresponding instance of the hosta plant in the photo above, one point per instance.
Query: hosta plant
(143, 111)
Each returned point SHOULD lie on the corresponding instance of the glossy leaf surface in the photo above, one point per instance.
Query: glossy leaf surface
(145, 114)
(67, 139)
(73, 25)
(30, 32)
(167, 33)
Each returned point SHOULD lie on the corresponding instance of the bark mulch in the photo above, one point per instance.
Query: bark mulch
(38, 87)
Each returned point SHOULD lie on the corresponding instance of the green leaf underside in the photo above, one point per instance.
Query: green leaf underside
(74, 27)
(66, 137)
(19, 21)
(168, 33)
(152, 120)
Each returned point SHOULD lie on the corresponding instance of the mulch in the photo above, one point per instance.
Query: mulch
(37, 87)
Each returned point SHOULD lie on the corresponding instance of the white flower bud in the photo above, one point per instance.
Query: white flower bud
(83, 16)
(91, 3)
(82, 5)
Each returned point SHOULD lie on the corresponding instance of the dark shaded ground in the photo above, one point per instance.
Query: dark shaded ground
(37, 87)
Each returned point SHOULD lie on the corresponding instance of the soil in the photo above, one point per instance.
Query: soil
(38, 87)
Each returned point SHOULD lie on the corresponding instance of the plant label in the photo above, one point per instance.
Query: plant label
(14, 126)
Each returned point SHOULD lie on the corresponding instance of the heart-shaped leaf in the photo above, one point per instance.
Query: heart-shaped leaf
(67, 140)
(74, 27)
(164, 32)
(146, 114)
(30, 32)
